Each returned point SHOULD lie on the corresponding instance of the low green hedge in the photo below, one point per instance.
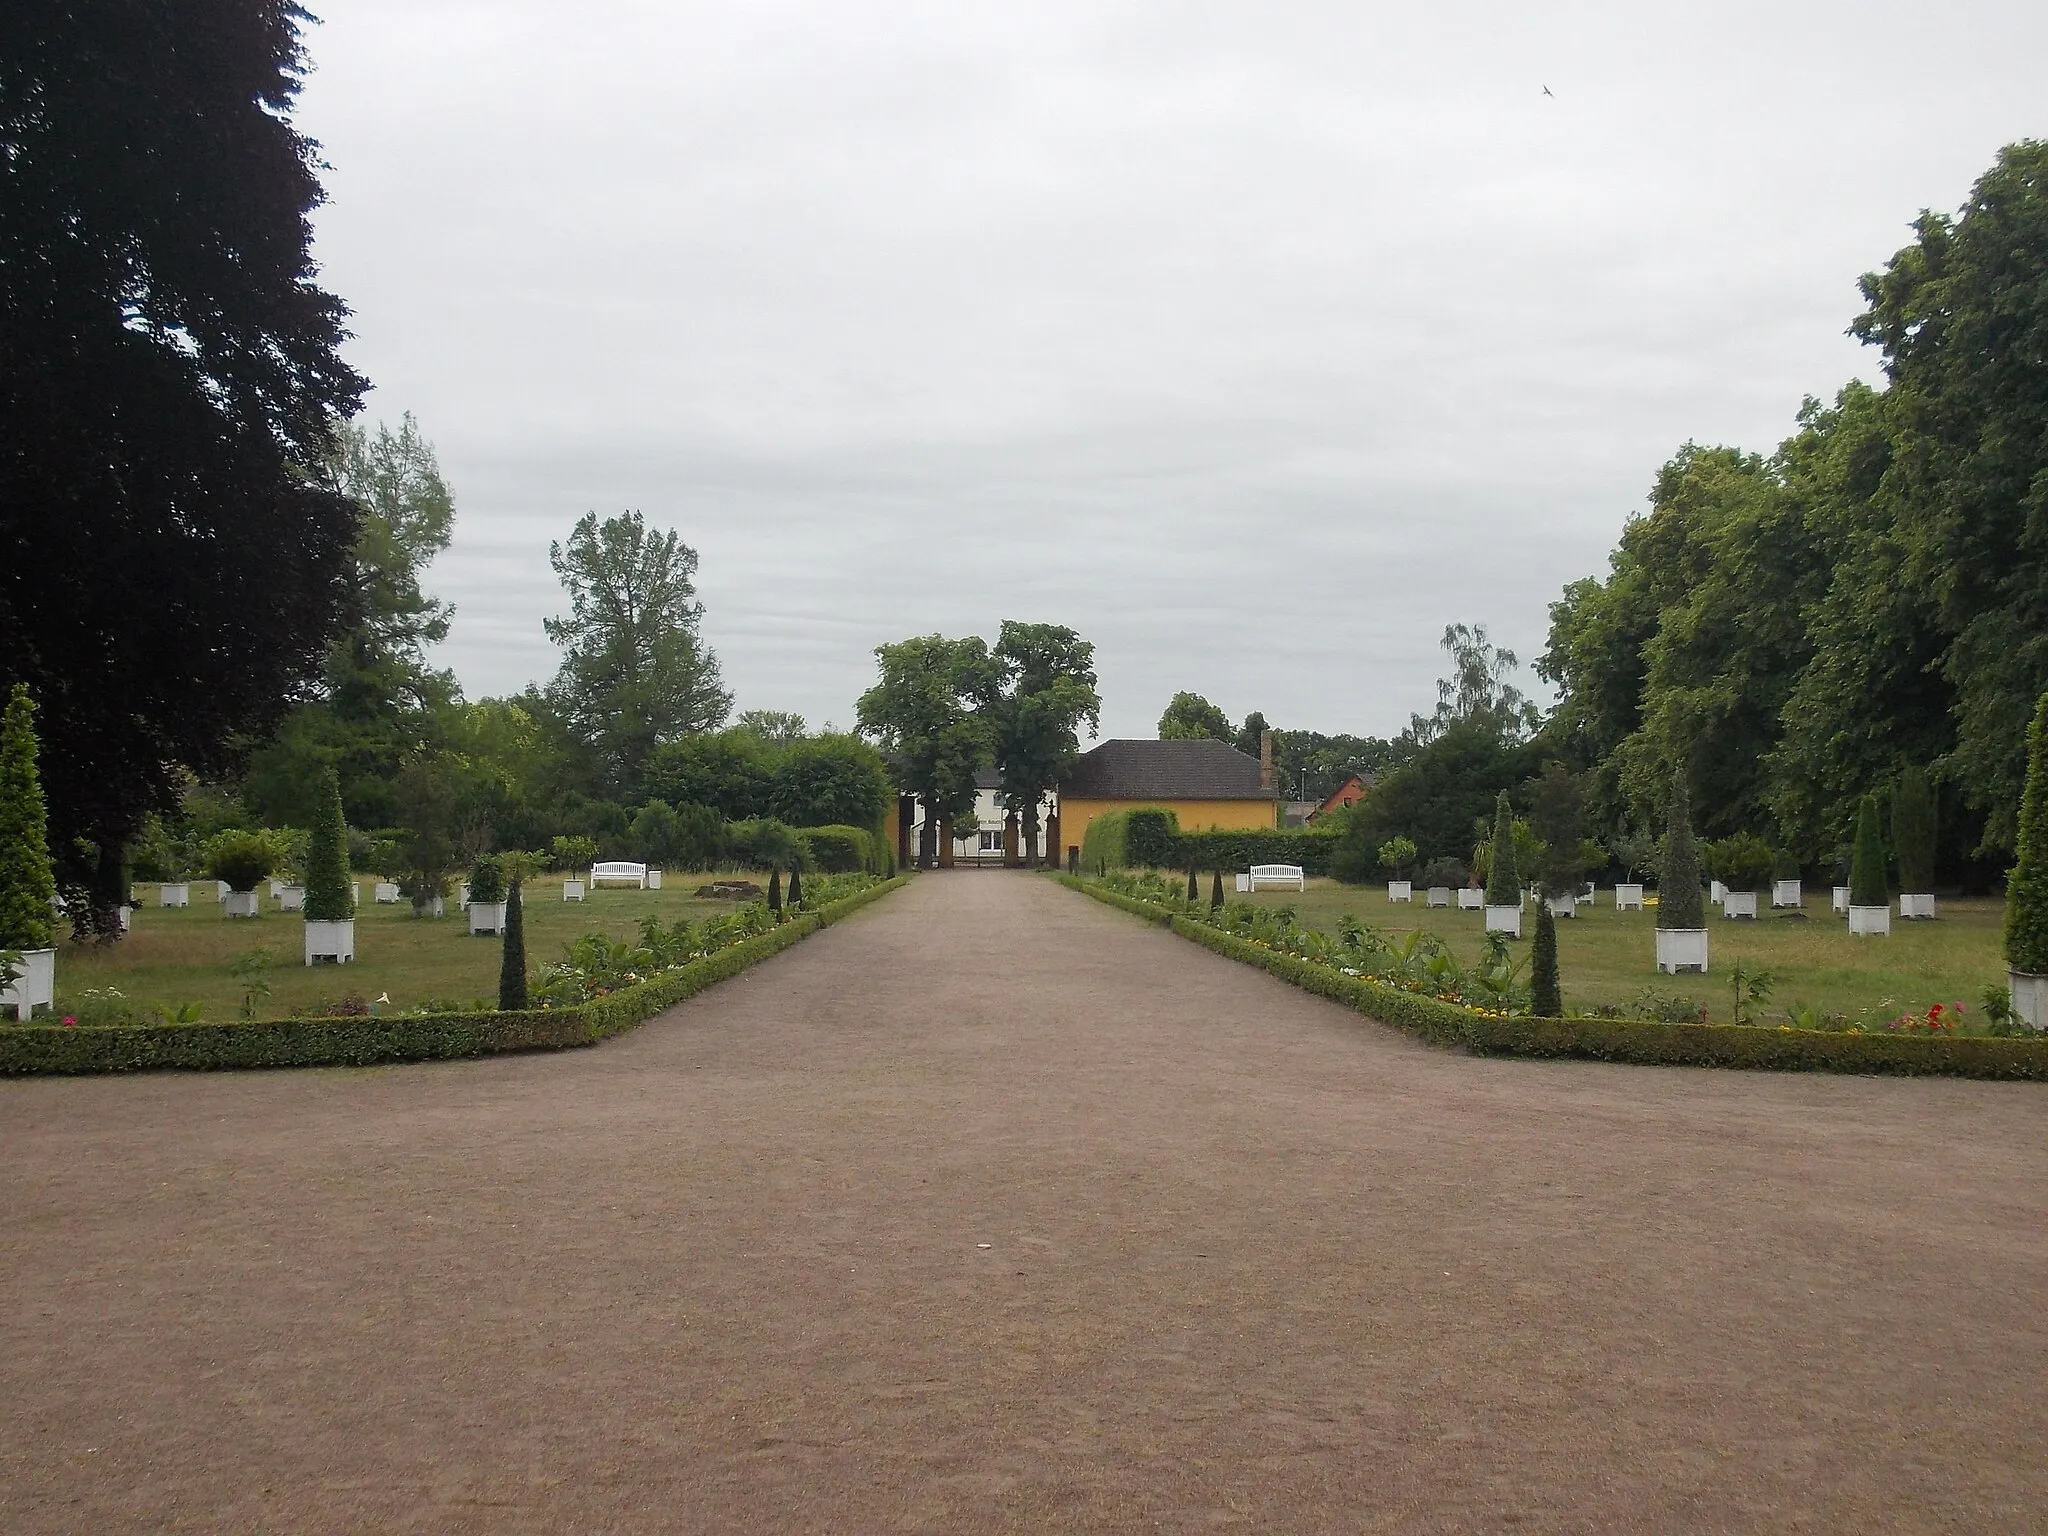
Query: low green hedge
(1626, 1040)
(355, 1042)
(1150, 837)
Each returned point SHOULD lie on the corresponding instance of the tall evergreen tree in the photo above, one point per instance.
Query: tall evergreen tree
(26, 887)
(1913, 830)
(1503, 879)
(2026, 890)
(1546, 1001)
(1681, 905)
(1867, 884)
(512, 958)
(328, 896)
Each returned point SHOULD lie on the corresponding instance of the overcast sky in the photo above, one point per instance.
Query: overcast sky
(1256, 342)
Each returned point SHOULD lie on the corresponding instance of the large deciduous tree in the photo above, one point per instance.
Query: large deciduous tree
(1190, 717)
(927, 714)
(635, 673)
(1047, 675)
(171, 564)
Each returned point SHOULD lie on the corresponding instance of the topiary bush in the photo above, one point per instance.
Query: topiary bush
(243, 859)
(487, 881)
(2026, 889)
(1913, 830)
(512, 956)
(27, 886)
(838, 850)
(1503, 878)
(1546, 1000)
(1680, 902)
(329, 898)
(1743, 862)
(1867, 885)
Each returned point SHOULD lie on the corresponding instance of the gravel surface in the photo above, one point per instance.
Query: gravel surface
(995, 1209)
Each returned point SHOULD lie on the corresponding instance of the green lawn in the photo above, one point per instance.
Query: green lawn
(182, 955)
(1609, 957)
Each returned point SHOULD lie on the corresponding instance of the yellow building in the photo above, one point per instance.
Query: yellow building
(1208, 785)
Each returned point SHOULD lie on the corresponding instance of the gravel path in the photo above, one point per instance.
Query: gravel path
(994, 1209)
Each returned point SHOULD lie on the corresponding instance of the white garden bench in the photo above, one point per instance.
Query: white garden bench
(619, 872)
(1278, 874)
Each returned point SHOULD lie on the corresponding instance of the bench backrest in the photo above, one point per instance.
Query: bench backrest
(621, 869)
(1276, 872)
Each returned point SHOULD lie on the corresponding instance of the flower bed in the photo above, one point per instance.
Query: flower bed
(359, 1041)
(1497, 1032)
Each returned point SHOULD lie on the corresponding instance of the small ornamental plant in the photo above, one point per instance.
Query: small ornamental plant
(1679, 902)
(1397, 853)
(1913, 831)
(2026, 888)
(487, 882)
(1503, 879)
(242, 859)
(1546, 1000)
(1941, 1019)
(1867, 886)
(328, 897)
(27, 887)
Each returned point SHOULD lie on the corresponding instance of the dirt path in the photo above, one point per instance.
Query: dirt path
(994, 1209)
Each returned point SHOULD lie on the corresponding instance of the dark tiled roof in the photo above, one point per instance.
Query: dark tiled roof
(987, 777)
(1166, 770)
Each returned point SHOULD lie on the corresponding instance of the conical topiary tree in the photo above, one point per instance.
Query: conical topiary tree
(1867, 886)
(328, 897)
(1216, 893)
(1503, 879)
(512, 961)
(1545, 999)
(796, 886)
(2026, 888)
(1913, 830)
(27, 886)
(1680, 904)
(775, 892)
(1194, 886)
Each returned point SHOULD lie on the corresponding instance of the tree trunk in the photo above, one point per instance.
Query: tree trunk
(928, 840)
(1052, 839)
(1031, 836)
(946, 842)
(1010, 840)
(906, 818)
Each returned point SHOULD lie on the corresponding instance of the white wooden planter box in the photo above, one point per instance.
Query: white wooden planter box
(462, 894)
(1562, 906)
(1470, 898)
(276, 889)
(242, 903)
(1787, 893)
(386, 893)
(127, 918)
(1244, 883)
(1681, 949)
(292, 899)
(1870, 920)
(1628, 898)
(179, 895)
(1916, 907)
(1400, 890)
(1439, 896)
(2029, 994)
(487, 917)
(572, 890)
(654, 879)
(1716, 891)
(220, 891)
(1738, 904)
(333, 941)
(1506, 920)
(1839, 901)
(35, 987)
(435, 907)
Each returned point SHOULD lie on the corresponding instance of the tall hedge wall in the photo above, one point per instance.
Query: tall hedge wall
(1149, 837)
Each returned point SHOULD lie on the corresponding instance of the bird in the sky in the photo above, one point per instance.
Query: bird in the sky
(1546, 91)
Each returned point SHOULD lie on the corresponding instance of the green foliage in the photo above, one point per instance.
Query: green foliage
(1477, 696)
(572, 853)
(1397, 853)
(26, 885)
(1190, 717)
(1045, 675)
(1216, 898)
(329, 898)
(766, 844)
(242, 858)
(1503, 878)
(1681, 903)
(1867, 885)
(1557, 824)
(2026, 889)
(837, 850)
(1913, 830)
(487, 881)
(1743, 862)
(1546, 1001)
(1445, 872)
(825, 781)
(512, 953)
(252, 970)
(796, 888)
(1432, 800)
(1149, 837)
(927, 714)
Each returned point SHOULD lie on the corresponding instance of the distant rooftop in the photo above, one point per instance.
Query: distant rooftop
(1166, 770)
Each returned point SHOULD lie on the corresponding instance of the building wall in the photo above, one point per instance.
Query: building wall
(989, 811)
(1195, 816)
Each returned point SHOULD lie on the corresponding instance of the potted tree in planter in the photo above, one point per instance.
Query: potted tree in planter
(1555, 820)
(1870, 898)
(330, 898)
(1440, 877)
(1503, 878)
(2026, 888)
(487, 896)
(241, 861)
(28, 888)
(1744, 862)
(1681, 915)
(1787, 889)
(572, 854)
(1635, 852)
(1913, 830)
(1397, 853)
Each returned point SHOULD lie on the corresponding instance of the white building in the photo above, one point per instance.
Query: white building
(983, 845)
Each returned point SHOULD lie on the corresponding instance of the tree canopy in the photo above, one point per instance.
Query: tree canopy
(1045, 693)
(1190, 717)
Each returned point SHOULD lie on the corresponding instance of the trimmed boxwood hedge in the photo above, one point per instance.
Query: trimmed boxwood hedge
(1149, 837)
(355, 1042)
(1623, 1040)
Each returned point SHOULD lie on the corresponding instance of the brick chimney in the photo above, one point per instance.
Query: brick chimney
(1265, 759)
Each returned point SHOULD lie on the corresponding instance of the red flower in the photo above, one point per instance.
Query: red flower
(69, 1022)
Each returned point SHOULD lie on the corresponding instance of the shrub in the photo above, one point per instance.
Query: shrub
(1397, 853)
(2026, 890)
(1743, 862)
(766, 844)
(1867, 887)
(569, 854)
(1443, 872)
(1545, 999)
(1503, 880)
(512, 957)
(328, 896)
(487, 882)
(27, 886)
(838, 850)
(242, 859)
(1680, 902)
(1913, 830)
